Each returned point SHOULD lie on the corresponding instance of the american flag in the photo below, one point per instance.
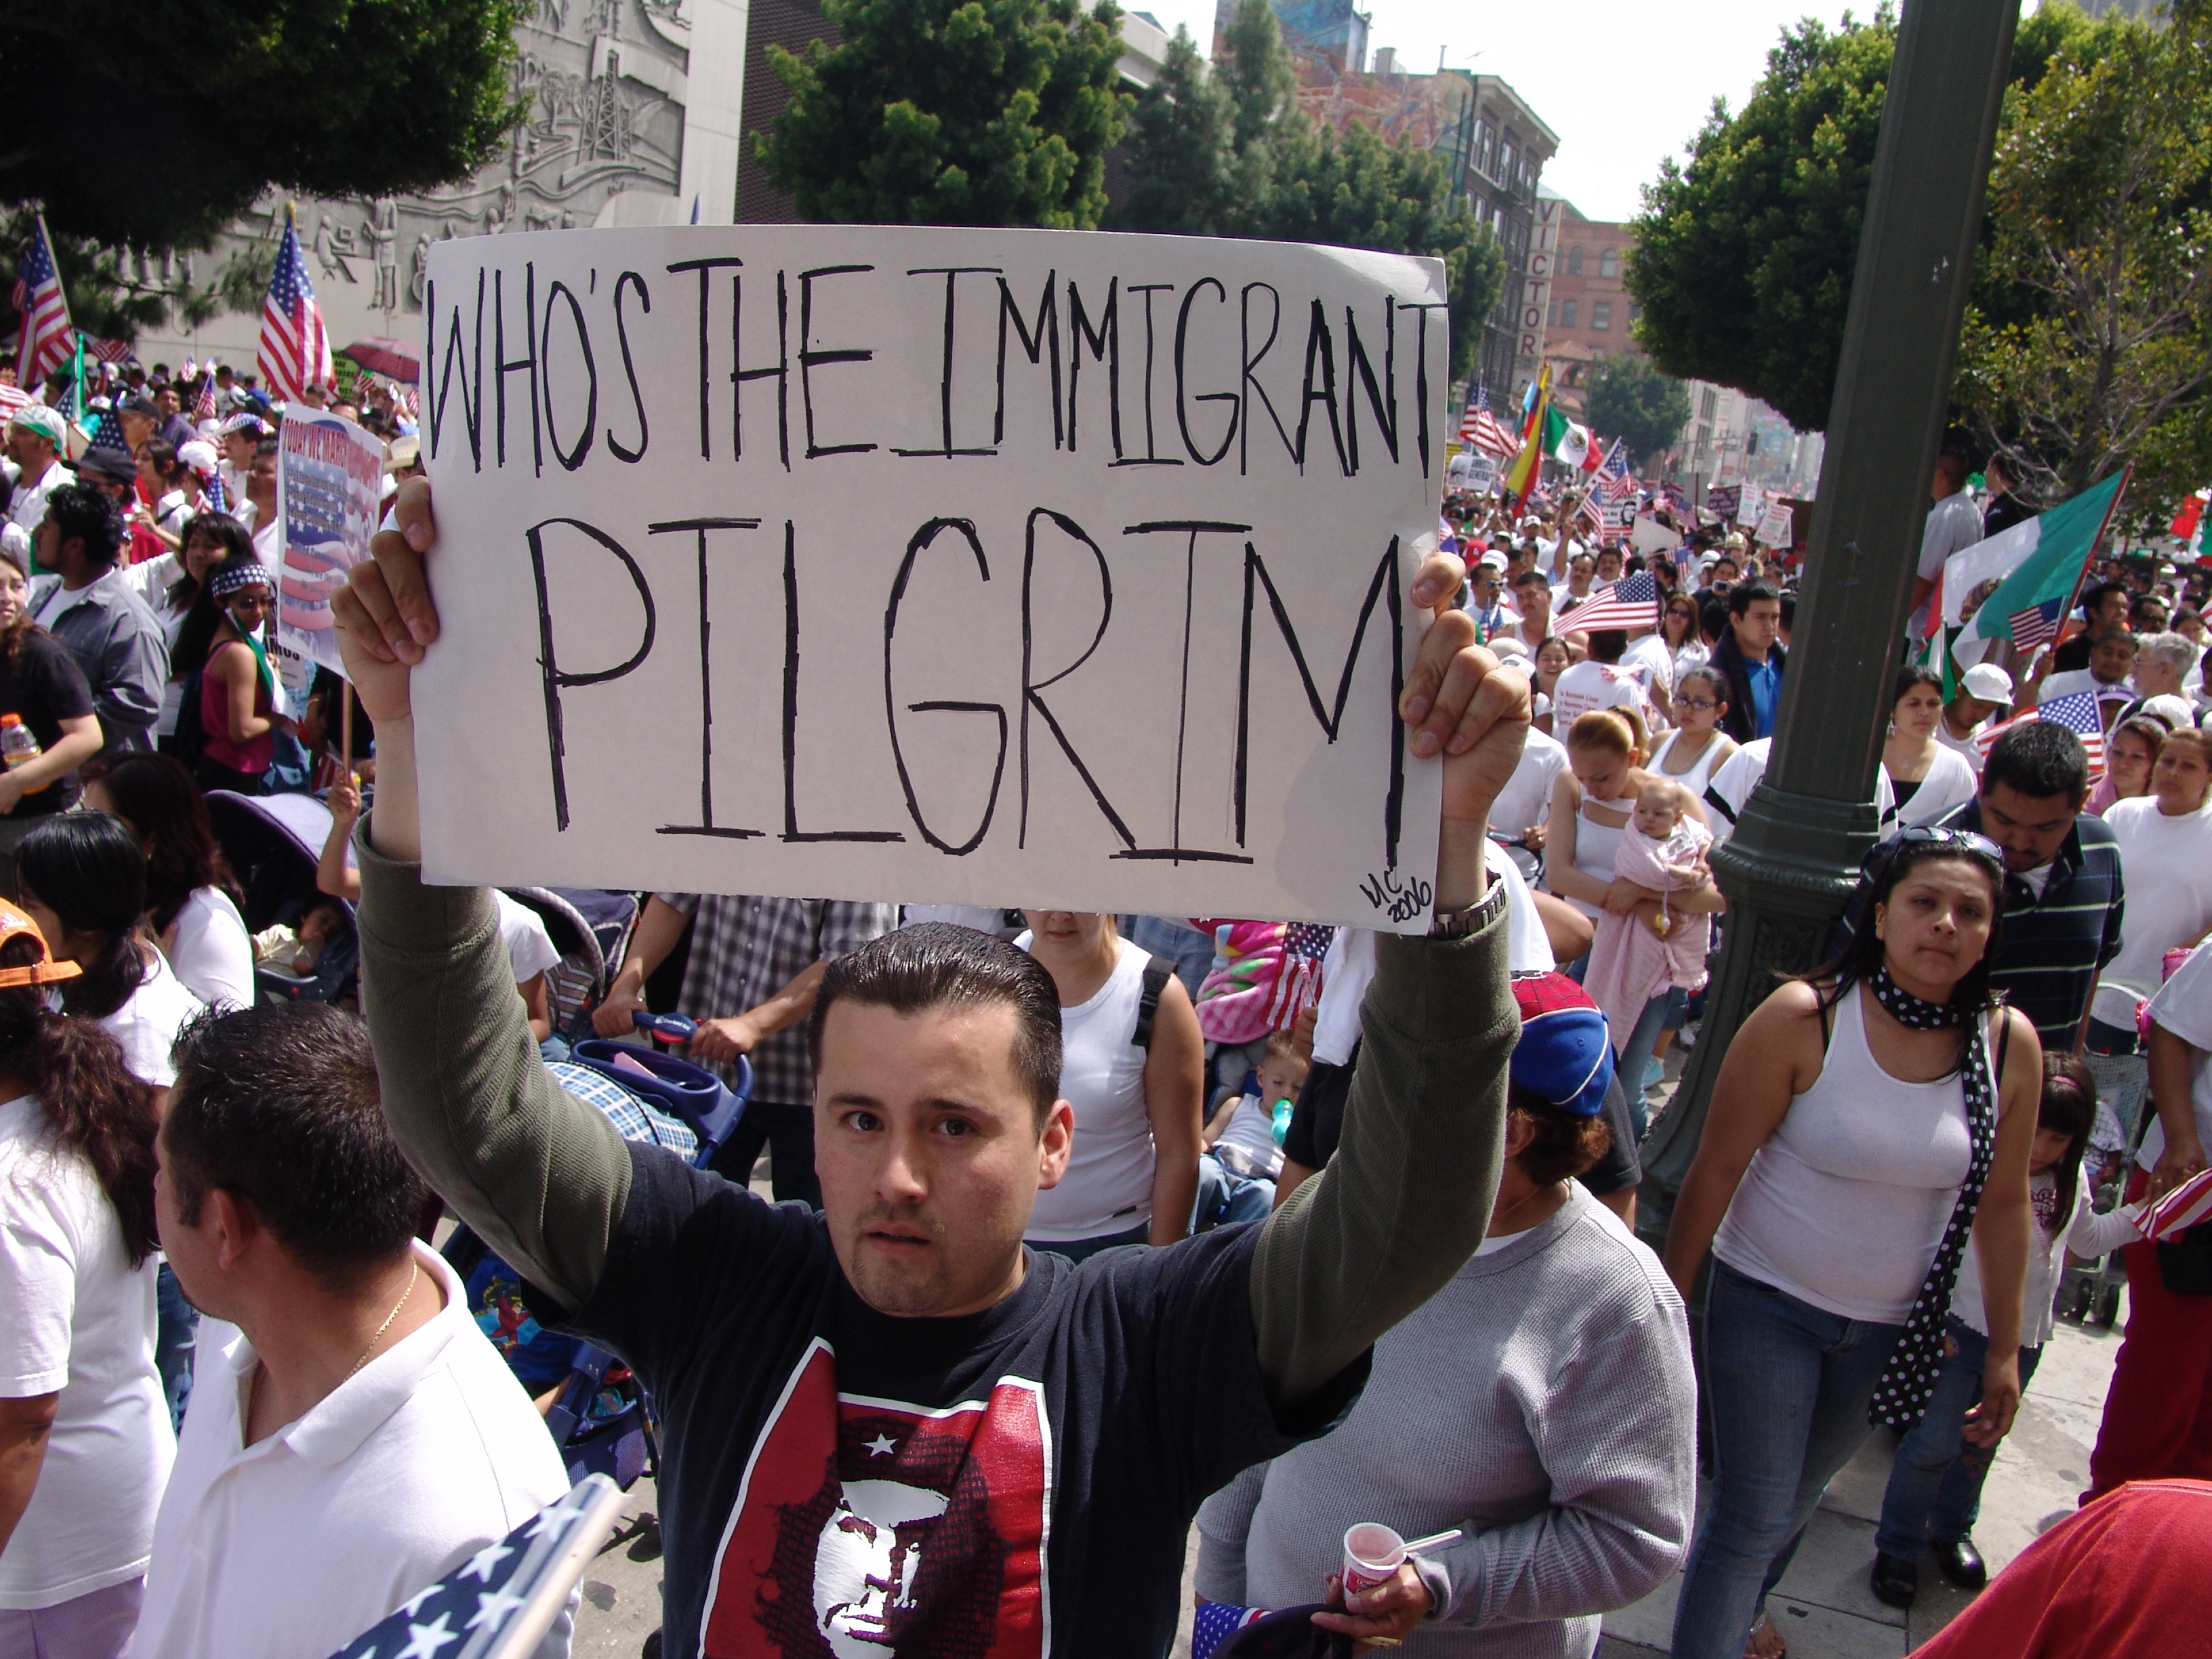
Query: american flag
(43, 340)
(203, 406)
(1590, 513)
(1632, 602)
(109, 351)
(1298, 985)
(295, 347)
(2037, 625)
(2077, 711)
(1483, 430)
(13, 397)
(1215, 1623)
(2179, 1210)
(1614, 480)
(492, 1601)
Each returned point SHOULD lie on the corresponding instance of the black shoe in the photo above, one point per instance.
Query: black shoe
(1896, 1581)
(1961, 1563)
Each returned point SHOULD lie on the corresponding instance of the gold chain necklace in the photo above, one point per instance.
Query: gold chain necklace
(412, 1279)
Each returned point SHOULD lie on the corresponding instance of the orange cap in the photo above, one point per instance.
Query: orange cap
(46, 969)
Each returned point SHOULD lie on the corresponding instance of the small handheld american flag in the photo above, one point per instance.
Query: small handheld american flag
(1615, 483)
(501, 1603)
(1630, 603)
(1483, 429)
(296, 347)
(43, 339)
(2077, 711)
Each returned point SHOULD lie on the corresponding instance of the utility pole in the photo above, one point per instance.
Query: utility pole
(1789, 868)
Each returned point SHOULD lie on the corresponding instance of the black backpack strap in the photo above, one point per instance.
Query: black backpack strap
(1159, 970)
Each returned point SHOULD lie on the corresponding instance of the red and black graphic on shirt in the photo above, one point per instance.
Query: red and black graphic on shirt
(868, 1527)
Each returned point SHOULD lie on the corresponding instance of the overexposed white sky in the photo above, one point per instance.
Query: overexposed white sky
(1623, 84)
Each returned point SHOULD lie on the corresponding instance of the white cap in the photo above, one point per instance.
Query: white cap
(2174, 711)
(1491, 560)
(1987, 683)
(1508, 645)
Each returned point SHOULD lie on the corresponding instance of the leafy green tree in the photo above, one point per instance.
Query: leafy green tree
(155, 124)
(1645, 409)
(1180, 148)
(2101, 202)
(1745, 256)
(1356, 190)
(1231, 154)
(938, 111)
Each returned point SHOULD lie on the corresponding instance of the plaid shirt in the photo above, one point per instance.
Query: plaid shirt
(745, 949)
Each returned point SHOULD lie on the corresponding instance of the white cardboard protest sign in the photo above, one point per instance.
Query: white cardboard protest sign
(1776, 525)
(1648, 535)
(328, 472)
(972, 567)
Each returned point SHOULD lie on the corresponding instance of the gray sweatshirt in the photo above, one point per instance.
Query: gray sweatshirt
(1543, 1401)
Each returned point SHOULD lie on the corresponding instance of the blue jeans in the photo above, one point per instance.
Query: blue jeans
(1224, 1196)
(1788, 1384)
(177, 1325)
(1662, 1013)
(1935, 1484)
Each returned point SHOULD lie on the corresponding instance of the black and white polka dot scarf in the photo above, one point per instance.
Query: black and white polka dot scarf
(1901, 1397)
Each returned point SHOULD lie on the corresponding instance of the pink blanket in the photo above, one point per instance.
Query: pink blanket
(1630, 964)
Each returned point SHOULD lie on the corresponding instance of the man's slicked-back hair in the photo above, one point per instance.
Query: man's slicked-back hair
(279, 1106)
(936, 964)
(2039, 759)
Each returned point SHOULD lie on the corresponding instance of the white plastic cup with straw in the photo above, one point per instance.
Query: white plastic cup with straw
(1373, 1553)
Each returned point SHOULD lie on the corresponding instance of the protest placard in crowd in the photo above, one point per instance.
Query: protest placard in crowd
(966, 567)
(328, 474)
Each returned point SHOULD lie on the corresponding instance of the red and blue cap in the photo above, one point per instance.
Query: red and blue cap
(1566, 1054)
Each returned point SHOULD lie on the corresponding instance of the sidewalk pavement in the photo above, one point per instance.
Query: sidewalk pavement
(1823, 1604)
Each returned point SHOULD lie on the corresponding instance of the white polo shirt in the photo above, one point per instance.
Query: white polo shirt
(296, 1545)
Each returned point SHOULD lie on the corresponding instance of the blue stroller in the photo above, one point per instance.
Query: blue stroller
(591, 929)
(601, 1419)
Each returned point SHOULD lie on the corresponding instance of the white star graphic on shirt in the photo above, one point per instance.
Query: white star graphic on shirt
(481, 1563)
(492, 1608)
(423, 1641)
(881, 1446)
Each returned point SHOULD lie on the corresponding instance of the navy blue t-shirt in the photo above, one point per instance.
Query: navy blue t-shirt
(1014, 1484)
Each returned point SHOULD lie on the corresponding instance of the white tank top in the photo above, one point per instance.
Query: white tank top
(1699, 776)
(1107, 1187)
(1845, 1205)
(1597, 844)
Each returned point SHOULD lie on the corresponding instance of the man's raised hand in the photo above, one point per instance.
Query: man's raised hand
(383, 615)
(1462, 705)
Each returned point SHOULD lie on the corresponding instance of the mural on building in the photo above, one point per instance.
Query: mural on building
(605, 83)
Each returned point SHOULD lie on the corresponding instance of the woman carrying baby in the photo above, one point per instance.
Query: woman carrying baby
(1641, 971)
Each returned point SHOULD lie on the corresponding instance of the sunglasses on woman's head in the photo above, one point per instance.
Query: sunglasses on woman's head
(1968, 839)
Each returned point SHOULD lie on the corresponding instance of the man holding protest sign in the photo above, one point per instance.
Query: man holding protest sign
(888, 1421)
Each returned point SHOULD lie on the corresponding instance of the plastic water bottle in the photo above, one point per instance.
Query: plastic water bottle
(1282, 1119)
(18, 746)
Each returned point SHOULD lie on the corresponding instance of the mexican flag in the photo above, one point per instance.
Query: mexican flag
(1564, 441)
(2018, 586)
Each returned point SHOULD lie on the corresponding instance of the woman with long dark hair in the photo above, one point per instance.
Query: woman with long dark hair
(85, 1444)
(42, 687)
(1869, 1121)
(192, 900)
(84, 880)
(174, 588)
